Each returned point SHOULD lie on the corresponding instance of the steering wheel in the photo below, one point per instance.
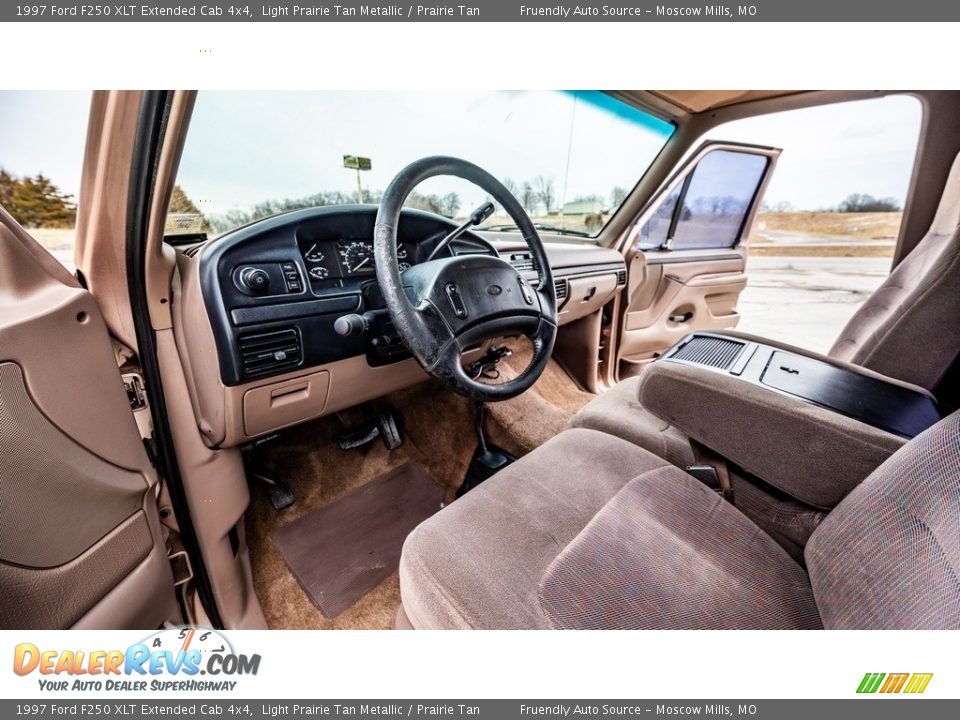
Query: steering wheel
(444, 306)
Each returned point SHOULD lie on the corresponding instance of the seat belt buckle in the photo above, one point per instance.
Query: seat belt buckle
(707, 474)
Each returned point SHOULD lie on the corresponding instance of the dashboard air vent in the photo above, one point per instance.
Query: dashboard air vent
(713, 352)
(561, 288)
(270, 351)
(523, 262)
(621, 277)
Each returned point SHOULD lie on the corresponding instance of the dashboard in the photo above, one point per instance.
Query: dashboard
(275, 289)
(256, 313)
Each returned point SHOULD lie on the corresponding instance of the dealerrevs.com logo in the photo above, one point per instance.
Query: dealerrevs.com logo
(181, 659)
(892, 683)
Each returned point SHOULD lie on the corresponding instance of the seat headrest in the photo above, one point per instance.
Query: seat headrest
(948, 213)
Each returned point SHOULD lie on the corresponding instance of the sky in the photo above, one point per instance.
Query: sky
(246, 147)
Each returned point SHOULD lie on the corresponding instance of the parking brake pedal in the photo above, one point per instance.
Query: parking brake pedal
(384, 426)
(278, 492)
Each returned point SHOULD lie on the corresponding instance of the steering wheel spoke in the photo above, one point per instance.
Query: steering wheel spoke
(442, 307)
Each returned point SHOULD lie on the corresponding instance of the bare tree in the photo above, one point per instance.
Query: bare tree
(868, 203)
(450, 204)
(617, 196)
(543, 187)
(528, 198)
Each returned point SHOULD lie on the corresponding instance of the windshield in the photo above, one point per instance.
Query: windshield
(569, 157)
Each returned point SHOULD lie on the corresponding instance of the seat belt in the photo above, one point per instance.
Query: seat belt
(711, 470)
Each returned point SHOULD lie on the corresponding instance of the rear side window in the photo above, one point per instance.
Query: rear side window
(708, 209)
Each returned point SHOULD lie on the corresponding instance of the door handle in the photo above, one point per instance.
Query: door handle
(681, 318)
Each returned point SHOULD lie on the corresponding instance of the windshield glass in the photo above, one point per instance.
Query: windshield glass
(569, 157)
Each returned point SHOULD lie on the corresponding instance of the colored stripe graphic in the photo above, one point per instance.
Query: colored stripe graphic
(918, 683)
(894, 683)
(870, 682)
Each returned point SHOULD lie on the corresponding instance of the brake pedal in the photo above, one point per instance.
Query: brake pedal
(384, 427)
(389, 432)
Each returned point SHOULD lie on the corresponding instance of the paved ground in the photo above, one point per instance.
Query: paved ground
(806, 301)
(775, 238)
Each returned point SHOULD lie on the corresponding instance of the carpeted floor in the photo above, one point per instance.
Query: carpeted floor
(438, 433)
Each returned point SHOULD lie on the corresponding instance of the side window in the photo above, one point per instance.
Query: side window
(656, 230)
(42, 138)
(708, 209)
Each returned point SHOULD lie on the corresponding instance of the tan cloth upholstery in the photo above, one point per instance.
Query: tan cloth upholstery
(667, 552)
(813, 454)
(888, 557)
(908, 327)
(565, 538)
(619, 412)
(478, 562)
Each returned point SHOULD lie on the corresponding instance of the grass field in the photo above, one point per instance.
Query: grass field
(852, 226)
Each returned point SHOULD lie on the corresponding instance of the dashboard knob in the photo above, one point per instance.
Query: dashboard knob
(255, 279)
(349, 325)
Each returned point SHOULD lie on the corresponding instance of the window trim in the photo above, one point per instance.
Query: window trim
(680, 175)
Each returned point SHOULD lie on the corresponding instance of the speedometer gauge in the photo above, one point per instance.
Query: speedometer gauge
(356, 256)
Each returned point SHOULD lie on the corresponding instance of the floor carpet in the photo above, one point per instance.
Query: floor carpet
(438, 432)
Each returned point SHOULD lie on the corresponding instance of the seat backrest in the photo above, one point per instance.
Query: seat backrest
(908, 328)
(888, 556)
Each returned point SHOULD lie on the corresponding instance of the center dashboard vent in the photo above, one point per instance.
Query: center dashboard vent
(269, 351)
(523, 262)
(711, 351)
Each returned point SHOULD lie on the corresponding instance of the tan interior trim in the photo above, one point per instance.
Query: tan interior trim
(100, 252)
(697, 101)
(161, 259)
(217, 494)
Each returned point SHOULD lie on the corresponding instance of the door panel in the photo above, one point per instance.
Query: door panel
(669, 296)
(78, 515)
(686, 255)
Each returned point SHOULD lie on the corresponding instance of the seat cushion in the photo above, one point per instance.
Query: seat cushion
(668, 553)
(619, 412)
(888, 556)
(478, 562)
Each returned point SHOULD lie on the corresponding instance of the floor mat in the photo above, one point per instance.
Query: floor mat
(341, 551)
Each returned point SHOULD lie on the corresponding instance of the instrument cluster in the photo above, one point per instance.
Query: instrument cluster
(330, 262)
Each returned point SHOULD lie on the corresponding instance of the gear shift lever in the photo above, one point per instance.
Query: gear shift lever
(487, 459)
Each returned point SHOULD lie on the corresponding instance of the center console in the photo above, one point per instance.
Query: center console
(810, 426)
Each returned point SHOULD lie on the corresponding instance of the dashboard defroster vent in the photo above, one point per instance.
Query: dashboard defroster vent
(269, 351)
(561, 288)
(711, 351)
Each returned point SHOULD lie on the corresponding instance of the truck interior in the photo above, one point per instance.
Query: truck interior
(369, 415)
